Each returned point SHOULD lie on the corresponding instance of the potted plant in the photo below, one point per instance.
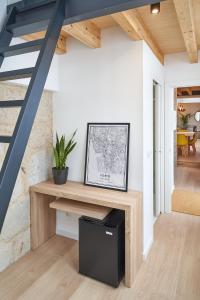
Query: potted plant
(61, 152)
(184, 120)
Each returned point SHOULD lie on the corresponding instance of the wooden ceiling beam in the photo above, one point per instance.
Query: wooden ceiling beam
(189, 90)
(185, 18)
(86, 32)
(181, 92)
(132, 23)
(61, 47)
(195, 88)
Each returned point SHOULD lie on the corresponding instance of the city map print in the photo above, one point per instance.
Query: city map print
(107, 155)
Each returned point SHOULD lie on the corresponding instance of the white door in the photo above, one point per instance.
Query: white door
(157, 148)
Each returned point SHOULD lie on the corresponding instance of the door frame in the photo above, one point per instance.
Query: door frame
(170, 117)
(157, 143)
(162, 142)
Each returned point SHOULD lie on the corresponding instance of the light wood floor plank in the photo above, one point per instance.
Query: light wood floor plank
(20, 276)
(171, 272)
(186, 196)
(187, 179)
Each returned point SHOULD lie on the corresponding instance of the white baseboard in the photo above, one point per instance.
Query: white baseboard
(68, 234)
(147, 248)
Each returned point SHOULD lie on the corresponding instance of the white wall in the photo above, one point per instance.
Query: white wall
(106, 85)
(152, 70)
(179, 72)
(2, 11)
(101, 85)
(170, 126)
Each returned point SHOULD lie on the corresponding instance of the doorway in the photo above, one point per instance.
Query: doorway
(186, 196)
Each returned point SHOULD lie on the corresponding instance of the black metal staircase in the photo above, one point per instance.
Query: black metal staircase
(29, 105)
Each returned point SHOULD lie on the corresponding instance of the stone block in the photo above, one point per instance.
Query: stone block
(17, 218)
(36, 167)
(21, 245)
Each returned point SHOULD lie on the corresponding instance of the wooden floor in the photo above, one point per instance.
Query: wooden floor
(187, 179)
(186, 196)
(171, 272)
(186, 202)
(193, 159)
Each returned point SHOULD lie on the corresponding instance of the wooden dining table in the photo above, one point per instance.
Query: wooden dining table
(186, 133)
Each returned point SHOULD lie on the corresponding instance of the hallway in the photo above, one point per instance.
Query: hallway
(171, 271)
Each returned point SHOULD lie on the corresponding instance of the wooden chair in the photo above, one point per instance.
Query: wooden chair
(192, 143)
(182, 144)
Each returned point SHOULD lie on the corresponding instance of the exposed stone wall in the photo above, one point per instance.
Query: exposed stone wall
(36, 166)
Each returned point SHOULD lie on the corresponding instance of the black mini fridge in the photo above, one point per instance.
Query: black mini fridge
(102, 247)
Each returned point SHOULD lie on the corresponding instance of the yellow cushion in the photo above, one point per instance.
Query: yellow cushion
(182, 140)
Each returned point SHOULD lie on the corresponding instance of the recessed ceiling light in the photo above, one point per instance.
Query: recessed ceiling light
(155, 8)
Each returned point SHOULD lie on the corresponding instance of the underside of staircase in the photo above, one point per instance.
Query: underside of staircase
(27, 17)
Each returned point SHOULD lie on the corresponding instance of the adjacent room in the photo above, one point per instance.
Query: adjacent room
(188, 118)
(99, 149)
(187, 151)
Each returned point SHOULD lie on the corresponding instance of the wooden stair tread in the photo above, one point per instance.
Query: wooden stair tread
(80, 208)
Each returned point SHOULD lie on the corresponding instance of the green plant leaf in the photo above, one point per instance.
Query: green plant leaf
(62, 150)
(56, 158)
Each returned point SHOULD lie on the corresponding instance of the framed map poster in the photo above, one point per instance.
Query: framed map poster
(107, 154)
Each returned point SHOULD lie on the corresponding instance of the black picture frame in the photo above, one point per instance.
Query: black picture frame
(100, 185)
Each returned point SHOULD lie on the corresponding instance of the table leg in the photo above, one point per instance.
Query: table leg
(43, 219)
(133, 242)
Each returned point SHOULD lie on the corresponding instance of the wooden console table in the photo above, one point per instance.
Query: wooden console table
(43, 218)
